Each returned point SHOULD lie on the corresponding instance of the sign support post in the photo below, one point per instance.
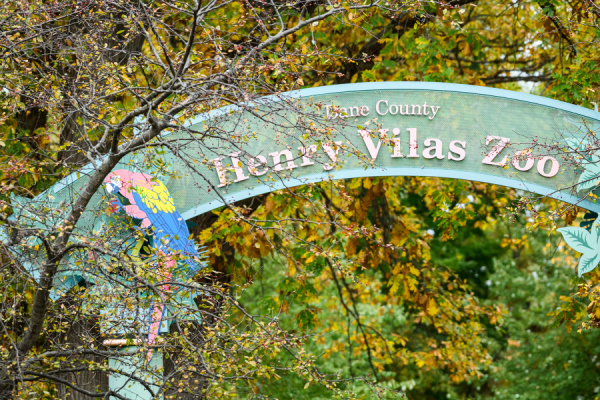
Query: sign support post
(127, 383)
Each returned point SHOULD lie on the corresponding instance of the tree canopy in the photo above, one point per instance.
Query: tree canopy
(365, 288)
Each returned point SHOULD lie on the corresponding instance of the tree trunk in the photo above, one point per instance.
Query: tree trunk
(79, 334)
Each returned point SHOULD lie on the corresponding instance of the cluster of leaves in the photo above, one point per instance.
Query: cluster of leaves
(354, 267)
(400, 305)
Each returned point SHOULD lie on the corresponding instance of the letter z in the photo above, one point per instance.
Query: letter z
(489, 158)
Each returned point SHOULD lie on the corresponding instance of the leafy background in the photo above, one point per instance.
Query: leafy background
(436, 289)
(491, 314)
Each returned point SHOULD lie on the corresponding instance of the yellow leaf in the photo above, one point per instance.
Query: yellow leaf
(354, 184)
(432, 308)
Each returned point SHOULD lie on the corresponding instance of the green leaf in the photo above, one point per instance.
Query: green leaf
(421, 42)
(368, 76)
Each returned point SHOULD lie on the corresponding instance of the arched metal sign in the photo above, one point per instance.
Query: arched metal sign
(349, 131)
(375, 129)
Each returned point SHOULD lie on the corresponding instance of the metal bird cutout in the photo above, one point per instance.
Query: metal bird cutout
(150, 201)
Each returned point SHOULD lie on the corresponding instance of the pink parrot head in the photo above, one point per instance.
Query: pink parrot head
(113, 183)
(117, 180)
(122, 178)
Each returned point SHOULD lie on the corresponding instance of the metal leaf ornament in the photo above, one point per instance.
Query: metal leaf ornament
(585, 242)
(589, 162)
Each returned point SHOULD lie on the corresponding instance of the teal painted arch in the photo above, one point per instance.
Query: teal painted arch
(193, 206)
(383, 87)
(382, 172)
(417, 86)
(475, 94)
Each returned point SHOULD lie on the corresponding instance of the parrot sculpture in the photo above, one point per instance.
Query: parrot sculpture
(145, 198)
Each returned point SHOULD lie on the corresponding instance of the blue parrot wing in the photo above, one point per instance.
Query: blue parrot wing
(170, 231)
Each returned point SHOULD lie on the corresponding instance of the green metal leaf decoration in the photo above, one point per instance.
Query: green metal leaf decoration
(585, 243)
(575, 144)
(589, 178)
(590, 164)
(577, 238)
(588, 220)
(587, 263)
(595, 235)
